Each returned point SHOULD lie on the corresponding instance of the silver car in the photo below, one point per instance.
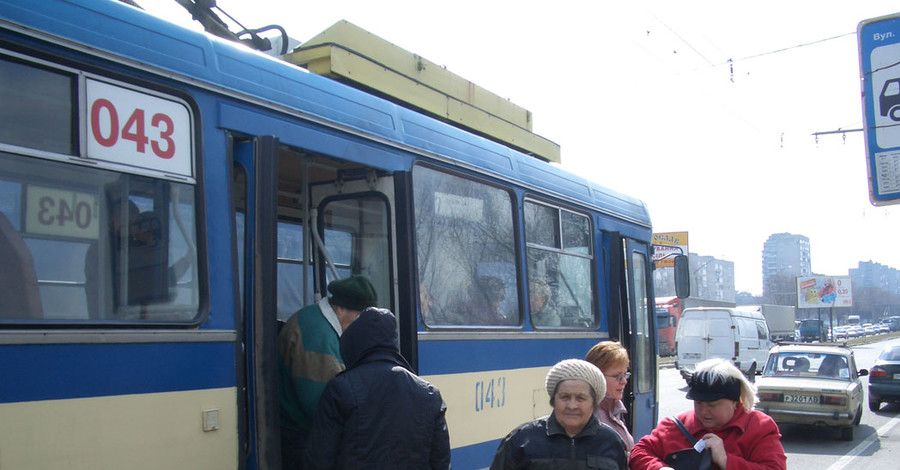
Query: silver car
(813, 384)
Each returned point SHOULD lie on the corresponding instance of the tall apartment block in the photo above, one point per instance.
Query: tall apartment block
(784, 255)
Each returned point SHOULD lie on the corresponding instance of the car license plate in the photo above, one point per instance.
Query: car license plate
(896, 376)
(692, 355)
(800, 399)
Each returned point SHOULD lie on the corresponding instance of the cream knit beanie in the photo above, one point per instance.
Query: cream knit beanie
(576, 369)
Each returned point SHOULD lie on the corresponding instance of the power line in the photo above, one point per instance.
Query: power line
(731, 61)
(683, 40)
(785, 49)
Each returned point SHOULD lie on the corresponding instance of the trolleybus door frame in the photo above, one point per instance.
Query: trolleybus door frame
(259, 158)
(642, 345)
(640, 396)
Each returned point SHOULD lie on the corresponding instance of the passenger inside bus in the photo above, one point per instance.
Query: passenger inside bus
(429, 307)
(93, 256)
(485, 297)
(137, 251)
(19, 294)
(542, 313)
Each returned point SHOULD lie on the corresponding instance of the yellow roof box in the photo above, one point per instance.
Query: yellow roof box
(357, 57)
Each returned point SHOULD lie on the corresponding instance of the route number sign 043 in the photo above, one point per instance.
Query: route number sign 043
(879, 56)
(136, 129)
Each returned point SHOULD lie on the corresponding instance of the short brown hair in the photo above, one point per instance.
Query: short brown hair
(606, 354)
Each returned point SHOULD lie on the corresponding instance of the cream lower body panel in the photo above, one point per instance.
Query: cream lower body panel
(484, 406)
(145, 431)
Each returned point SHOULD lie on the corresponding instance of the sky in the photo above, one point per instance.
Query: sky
(704, 110)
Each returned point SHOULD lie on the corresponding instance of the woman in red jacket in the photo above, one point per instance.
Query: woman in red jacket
(738, 436)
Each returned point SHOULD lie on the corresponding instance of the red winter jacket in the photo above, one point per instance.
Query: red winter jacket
(752, 442)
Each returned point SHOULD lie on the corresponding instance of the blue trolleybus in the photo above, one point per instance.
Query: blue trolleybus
(167, 198)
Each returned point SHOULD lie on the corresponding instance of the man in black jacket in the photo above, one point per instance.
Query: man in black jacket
(377, 413)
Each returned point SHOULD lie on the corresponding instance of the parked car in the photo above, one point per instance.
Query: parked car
(884, 378)
(812, 384)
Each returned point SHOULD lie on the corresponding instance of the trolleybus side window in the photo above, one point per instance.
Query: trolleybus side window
(290, 269)
(357, 239)
(466, 251)
(38, 107)
(559, 259)
(290, 265)
(91, 244)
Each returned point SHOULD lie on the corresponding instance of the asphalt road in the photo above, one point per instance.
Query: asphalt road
(876, 443)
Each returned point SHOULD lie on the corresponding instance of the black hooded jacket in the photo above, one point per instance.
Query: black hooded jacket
(377, 413)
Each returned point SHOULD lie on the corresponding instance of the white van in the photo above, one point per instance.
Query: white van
(739, 336)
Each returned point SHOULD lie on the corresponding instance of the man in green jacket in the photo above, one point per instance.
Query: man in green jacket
(309, 356)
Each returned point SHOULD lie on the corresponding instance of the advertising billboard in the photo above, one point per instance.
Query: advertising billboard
(666, 246)
(824, 291)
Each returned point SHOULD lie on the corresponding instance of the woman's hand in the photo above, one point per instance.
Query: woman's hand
(717, 448)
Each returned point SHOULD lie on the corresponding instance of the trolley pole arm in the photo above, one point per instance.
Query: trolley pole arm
(201, 11)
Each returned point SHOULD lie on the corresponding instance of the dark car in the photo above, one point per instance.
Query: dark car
(884, 378)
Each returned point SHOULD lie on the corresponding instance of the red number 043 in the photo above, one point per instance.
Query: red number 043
(133, 129)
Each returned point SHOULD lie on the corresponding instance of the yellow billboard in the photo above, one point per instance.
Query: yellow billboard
(666, 246)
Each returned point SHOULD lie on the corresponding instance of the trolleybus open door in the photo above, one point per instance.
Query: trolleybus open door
(255, 186)
(632, 319)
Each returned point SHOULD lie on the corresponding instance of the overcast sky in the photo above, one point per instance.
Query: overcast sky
(705, 110)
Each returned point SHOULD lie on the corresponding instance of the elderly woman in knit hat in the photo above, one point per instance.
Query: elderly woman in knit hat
(570, 436)
(738, 436)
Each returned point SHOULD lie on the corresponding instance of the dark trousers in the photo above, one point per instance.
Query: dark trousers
(292, 447)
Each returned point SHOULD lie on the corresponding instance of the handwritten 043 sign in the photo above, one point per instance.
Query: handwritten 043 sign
(824, 291)
(137, 129)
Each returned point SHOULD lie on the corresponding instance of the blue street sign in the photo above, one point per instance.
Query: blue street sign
(879, 58)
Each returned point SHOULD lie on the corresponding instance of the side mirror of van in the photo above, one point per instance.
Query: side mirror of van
(682, 277)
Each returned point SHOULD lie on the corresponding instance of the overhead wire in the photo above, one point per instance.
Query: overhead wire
(685, 41)
(730, 62)
(785, 49)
